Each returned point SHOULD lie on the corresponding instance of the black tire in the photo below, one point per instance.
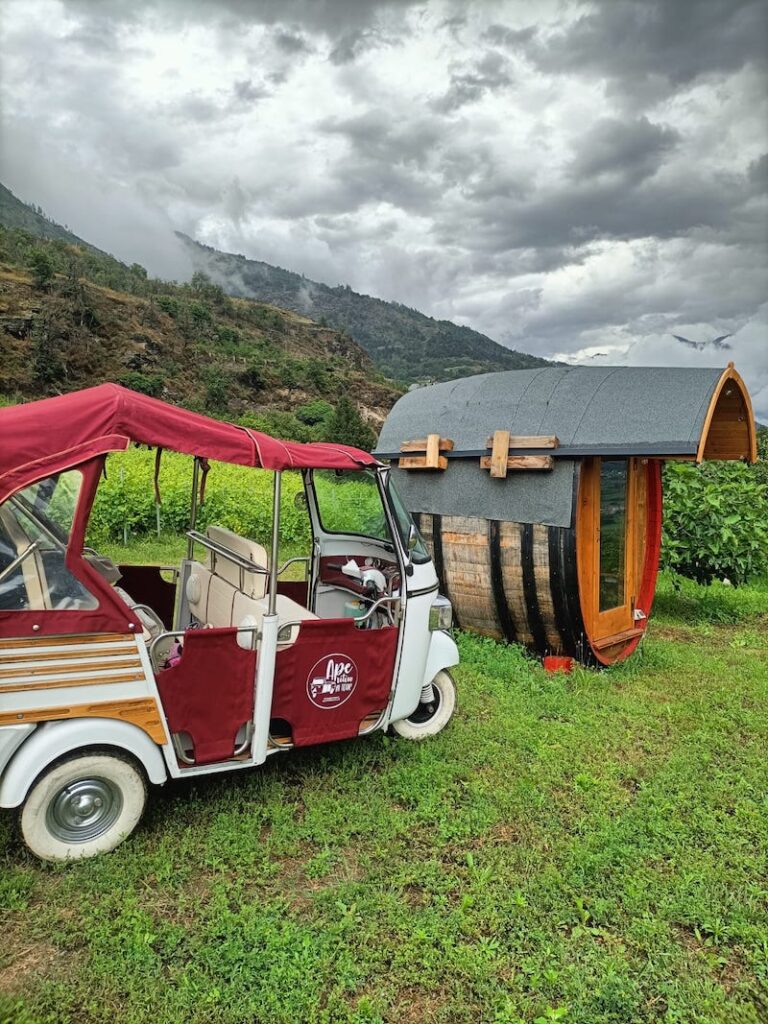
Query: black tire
(430, 717)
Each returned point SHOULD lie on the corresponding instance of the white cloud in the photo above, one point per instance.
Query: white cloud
(561, 176)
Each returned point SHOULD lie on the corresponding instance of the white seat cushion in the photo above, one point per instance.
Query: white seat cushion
(254, 584)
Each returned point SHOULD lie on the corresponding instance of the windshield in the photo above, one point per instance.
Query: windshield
(349, 501)
(404, 521)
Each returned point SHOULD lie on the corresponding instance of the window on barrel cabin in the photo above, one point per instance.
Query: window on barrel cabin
(613, 532)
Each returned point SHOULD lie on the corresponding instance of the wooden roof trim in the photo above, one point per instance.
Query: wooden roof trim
(730, 374)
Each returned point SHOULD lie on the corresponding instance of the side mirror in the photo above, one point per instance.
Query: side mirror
(300, 500)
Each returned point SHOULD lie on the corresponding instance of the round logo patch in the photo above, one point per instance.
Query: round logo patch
(332, 681)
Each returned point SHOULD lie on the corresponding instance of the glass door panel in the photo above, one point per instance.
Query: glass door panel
(613, 533)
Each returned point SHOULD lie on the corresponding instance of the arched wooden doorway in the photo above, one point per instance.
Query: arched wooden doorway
(618, 531)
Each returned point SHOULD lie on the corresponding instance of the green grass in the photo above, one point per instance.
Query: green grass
(588, 848)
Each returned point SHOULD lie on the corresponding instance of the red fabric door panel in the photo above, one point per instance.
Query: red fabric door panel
(209, 694)
(332, 677)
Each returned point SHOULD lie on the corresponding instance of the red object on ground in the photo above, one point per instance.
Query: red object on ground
(209, 693)
(54, 434)
(553, 663)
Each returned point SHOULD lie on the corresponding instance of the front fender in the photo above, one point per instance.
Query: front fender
(54, 739)
(443, 653)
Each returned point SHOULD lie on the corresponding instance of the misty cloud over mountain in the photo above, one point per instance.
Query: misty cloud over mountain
(567, 178)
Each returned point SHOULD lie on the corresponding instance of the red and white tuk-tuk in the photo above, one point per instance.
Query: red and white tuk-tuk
(110, 680)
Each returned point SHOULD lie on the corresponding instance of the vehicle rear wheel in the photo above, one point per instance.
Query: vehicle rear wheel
(82, 806)
(433, 713)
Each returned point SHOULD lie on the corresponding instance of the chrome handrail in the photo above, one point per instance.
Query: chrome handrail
(299, 558)
(181, 632)
(231, 556)
(374, 607)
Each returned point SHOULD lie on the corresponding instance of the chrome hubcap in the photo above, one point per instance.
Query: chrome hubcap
(84, 810)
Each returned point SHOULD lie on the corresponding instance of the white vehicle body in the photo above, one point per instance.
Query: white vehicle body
(290, 661)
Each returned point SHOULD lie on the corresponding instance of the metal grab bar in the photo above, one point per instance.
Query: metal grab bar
(374, 607)
(231, 556)
(182, 632)
(299, 558)
(19, 559)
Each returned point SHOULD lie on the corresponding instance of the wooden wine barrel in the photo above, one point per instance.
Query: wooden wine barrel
(510, 581)
(538, 492)
(519, 582)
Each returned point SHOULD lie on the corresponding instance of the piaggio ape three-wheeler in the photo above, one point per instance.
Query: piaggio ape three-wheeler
(109, 681)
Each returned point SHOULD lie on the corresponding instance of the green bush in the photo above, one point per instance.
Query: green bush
(715, 521)
(145, 383)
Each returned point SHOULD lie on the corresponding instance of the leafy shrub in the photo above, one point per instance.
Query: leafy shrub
(145, 383)
(314, 412)
(715, 521)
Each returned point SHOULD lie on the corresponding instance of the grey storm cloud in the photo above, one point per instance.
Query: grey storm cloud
(569, 176)
(487, 75)
(633, 149)
(671, 41)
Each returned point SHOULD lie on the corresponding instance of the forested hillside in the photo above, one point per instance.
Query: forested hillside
(15, 214)
(404, 344)
(71, 316)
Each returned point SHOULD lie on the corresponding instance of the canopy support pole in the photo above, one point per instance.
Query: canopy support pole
(193, 507)
(275, 543)
(266, 661)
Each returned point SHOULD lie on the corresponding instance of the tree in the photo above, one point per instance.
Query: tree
(347, 426)
(47, 367)
(41, 266)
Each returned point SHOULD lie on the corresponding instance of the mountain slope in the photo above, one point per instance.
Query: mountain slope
(86, 318)
(404, 343)
(16, 214)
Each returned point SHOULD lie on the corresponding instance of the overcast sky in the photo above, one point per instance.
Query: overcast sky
(577, 180)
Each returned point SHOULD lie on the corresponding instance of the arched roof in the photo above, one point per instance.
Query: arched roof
(670, 412)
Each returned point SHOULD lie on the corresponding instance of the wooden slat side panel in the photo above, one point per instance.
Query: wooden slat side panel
(729, 430)
(52, 683)
(142, 712)
(64, 641)
(65, 669)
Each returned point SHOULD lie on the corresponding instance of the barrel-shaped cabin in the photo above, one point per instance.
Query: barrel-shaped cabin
(539, 492)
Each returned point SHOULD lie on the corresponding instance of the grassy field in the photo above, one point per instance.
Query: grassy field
(586, 849)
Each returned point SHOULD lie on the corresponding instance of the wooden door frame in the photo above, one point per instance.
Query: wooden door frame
(615, 621)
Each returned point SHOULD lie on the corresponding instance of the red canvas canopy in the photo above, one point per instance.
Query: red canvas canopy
(54, 434)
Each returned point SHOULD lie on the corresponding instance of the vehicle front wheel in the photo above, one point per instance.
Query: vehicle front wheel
(82, 806)
(434, 712)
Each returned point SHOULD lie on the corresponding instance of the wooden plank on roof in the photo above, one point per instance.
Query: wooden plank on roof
(431, 449)
(544, 462)
(499, 453)
(420, 444)
(527, 440)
